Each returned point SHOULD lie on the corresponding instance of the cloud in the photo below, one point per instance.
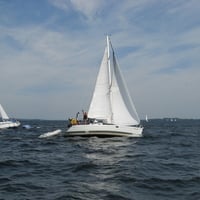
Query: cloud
(61, 4)
(49, 66)
(46, 68)
(89, 9)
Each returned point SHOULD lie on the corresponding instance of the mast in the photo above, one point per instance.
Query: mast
(100, 106)
(110, 78)
(109, 67)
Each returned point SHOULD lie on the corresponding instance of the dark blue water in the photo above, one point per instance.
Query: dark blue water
(162, 165)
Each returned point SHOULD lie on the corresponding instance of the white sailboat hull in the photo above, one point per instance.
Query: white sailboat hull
(9, 124)
(102, 130)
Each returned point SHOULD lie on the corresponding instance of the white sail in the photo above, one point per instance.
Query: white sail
(100, 107)
(3, 113)
(121, 106)
(146, 118)
(111, 100)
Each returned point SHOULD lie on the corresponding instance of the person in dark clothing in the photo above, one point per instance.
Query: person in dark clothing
(85, 117)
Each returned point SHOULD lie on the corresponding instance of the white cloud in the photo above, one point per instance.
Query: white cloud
(62, 4)
(50, 72)
(89, 8)
(49, 69)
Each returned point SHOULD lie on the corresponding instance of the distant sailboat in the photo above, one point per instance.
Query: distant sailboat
(6, 121)
(146, 118)
(111, 111)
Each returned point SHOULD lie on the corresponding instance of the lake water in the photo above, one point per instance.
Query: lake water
(162, 165)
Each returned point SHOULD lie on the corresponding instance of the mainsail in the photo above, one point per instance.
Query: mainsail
(111, 100)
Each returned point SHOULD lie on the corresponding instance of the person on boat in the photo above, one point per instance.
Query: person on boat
(85, 117)
(77, 115)
(72, 122)
(69, 122)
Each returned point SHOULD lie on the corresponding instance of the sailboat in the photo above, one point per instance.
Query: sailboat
(6, 121)
(111, 111)
(146, 118)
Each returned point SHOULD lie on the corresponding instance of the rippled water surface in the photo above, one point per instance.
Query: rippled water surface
(162, 165)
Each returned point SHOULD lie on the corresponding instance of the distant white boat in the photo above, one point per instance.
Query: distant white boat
(111, 111)
(146, 118)
(6, 121)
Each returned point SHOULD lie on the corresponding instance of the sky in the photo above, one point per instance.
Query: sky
(51, 50)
